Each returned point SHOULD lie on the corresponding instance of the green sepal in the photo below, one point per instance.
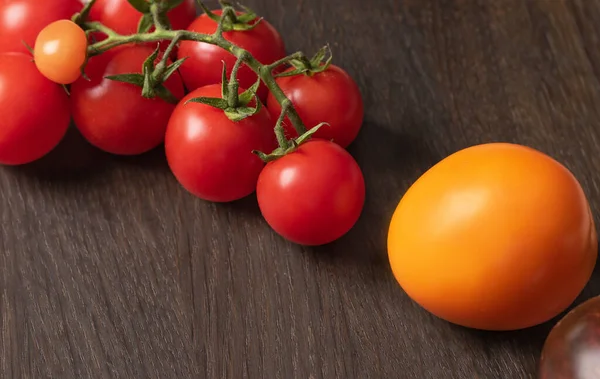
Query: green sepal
(295, 143)
(311, 66)
(149, 86)
(211, 101)
(308, 135)
(141, 81)
(245, 21)
(80, 17)
(166, 95)
(172, 68)
(208, 12)
(246, 97)
(146, 22)
(64, 86)
(224, 83)
(135, 79)
(29, 48)
(141, 6)
(149, 62)
(82, 69)
(171, 4)
(240, 113)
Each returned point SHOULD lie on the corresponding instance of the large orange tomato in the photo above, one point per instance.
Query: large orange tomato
(496, 237)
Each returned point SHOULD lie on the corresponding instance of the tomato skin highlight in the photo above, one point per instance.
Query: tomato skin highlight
(22, 20)
(571, 348)
(495, 237)
(60, 51)
(330, 96)
(314, 195)
(210, 155)
(205, 62)
(35, 111)
(113, 116)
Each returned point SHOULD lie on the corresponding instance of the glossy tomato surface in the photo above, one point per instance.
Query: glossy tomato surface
(210, 155)
(572, 349)
(314, 195)
(496, 236)
(205, 63)
(123, 18)
(114, 116)
(35, 111)
(22, 20)
(60, 51)
(330, 96)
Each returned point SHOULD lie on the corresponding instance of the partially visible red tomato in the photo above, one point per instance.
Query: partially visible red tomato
(205, 63)
(22, 20)
(210, 155)
(329, 96)
(35, 111)
(313, 195)
(60, 51)
(123, 18)
(114, 116)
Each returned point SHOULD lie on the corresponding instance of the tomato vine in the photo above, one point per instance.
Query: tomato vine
(228, 20)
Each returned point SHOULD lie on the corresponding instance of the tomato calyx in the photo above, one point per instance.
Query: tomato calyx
(303, 65)
(81, 17)
(152, 78)
(235, 105)
(232, 21)
(286, 146)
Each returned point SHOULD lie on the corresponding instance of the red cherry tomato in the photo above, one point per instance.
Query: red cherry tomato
(205, 62)
(123, 18)
(313, 195)
(210, 155)
(22, 20)
(60, 51)
(114, 116)
(35, 111)
(330, 96)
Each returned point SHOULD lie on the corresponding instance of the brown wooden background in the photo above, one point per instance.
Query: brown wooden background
(108, 269)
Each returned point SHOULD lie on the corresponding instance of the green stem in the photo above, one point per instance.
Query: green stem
(233, 86)
(161, 67)
(283, 142)
(97, 26)
(157, 17)
(296, 55)
(263, 71)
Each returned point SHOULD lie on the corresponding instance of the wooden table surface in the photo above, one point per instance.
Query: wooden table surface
(109, 269)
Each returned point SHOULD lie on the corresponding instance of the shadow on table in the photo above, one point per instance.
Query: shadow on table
(75, 159)
(532, 339)
(390, 162)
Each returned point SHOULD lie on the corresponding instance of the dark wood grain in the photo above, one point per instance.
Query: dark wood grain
(109, 269)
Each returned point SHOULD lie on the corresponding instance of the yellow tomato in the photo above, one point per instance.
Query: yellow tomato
(60, 51)
(496, 237)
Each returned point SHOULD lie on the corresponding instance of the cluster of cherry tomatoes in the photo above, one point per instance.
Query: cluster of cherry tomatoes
(496, 236)
(312, 195)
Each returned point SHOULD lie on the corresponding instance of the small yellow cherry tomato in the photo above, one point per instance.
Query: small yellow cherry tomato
(60, 51)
